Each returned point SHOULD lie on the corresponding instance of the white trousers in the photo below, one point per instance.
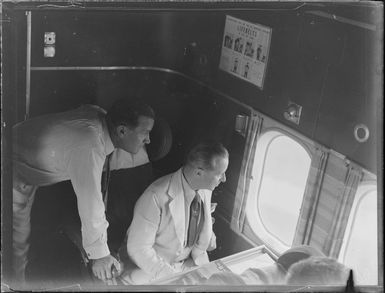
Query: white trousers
(23, 196)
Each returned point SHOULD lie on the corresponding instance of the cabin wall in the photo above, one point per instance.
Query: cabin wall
(326, 66)
(323, 65)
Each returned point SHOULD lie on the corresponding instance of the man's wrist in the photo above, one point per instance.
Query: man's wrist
(97, 252)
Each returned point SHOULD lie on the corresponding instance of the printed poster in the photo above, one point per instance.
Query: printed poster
(245, 50)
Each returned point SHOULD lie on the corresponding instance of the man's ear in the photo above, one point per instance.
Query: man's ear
(121, 130)
(199, 171)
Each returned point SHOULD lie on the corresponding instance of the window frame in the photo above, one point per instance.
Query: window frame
(365, 186)
(271, 126)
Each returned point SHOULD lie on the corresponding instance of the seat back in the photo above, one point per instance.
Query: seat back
(126, 186)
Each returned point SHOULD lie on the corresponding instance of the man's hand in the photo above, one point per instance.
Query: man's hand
(103, 267)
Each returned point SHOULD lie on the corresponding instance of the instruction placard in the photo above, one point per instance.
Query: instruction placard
(245, 50)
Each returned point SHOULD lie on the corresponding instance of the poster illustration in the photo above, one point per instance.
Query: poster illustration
(245, 50)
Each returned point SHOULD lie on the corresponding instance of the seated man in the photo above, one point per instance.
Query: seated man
(172, 227)
(276, 273)
(318, 271)
(273, 274)
(309, 271)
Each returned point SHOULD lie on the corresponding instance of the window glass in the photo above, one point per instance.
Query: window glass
(359, 248)
(280, 172)
(282, 187)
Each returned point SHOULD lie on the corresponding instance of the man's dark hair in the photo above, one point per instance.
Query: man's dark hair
(126, 112)
(204, 154)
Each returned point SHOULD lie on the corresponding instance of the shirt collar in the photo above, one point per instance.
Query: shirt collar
(189, 193)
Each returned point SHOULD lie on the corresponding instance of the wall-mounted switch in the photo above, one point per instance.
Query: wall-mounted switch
(241, 122)
(49, 44)
(49, 38)
(49, 51)
(293, 112)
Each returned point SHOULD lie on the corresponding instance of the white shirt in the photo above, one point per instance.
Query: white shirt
(121, 159)
(72, 146)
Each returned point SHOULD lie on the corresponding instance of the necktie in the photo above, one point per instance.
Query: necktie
(106, 180)
(195, 215)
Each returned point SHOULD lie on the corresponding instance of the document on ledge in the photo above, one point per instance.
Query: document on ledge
(211, 268)
(197, 276)
(257, 261)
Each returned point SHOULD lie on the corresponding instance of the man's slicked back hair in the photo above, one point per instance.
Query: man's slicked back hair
(127, 112)
(204, 154)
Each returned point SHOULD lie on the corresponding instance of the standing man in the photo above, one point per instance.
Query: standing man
(172, 226)
(73, 145)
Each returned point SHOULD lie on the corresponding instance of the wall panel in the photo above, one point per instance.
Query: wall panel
(322, 63)
(319, 63)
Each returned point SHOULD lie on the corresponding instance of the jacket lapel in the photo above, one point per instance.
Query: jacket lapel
(177, 209)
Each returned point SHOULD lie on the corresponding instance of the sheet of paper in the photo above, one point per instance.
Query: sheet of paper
(211, 268)
(258, 261)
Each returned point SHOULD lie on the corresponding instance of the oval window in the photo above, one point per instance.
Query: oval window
(280, 172)
(359, 246)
